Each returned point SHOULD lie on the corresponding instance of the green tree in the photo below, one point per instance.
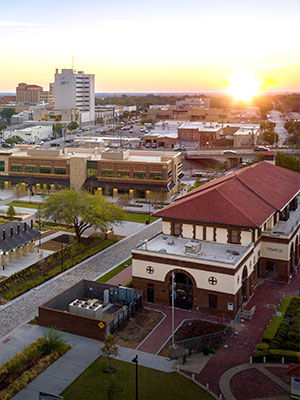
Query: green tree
(57, 129)
(10, 213)
(14, 140)
(3, 125)
(270, 137)
(109, 350)
(82, 210)
(73, 125)
(7, 113)
(288, 161)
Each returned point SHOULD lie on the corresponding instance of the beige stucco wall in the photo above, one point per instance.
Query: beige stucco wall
(199, 232)
(277, 251)
(246, 238)
(166, 227)
(210, 233)
(187, 231)
(225, 283)
(221, 235)
(78, 172)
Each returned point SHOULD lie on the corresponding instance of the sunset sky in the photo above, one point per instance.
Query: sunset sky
(152, 46)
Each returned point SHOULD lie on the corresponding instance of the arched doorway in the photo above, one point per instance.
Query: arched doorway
(244, 285)
(183, 291)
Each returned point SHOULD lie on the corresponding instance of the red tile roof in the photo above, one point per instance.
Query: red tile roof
(294, 369)
(246, 197)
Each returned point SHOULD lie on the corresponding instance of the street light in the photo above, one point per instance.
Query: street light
(135, 360)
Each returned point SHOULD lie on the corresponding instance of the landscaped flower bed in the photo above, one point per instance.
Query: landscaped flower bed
(282, 336)
(30, 277)
(19, 371)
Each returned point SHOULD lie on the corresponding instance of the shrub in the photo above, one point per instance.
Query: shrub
(271, 330)
(276, 355)
(262, 346)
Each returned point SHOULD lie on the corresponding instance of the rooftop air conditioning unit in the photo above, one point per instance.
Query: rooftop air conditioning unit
(192, 247)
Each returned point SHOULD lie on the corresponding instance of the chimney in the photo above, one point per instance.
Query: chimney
(18, 229)
(11, 231)
(3, 235)
(31, 224)
(25, 226)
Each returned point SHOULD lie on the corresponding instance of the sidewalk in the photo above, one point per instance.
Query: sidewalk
(241, 346)
(67, 368)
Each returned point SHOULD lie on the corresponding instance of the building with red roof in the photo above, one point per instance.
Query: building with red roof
(220, 238)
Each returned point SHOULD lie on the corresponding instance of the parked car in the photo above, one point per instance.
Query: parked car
(261, 148)
(229, 152)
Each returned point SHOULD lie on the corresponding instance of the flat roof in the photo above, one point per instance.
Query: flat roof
(209, 251)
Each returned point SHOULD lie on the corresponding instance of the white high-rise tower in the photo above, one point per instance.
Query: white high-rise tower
(75, 90)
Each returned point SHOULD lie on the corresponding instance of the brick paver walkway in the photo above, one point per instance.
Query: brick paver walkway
(241, 346)
(25, 307)
(122, 278)
(161, 334)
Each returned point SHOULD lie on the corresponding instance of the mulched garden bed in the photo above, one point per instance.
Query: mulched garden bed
(54, 264)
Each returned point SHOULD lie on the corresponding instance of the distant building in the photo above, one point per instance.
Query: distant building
(129, 108)
(28, 93)
(9, 99)
(28, 133)
(47, 96)
(189, 114)
(75, 90)
(201, 102)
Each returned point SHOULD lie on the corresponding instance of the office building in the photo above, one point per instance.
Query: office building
(75, 90)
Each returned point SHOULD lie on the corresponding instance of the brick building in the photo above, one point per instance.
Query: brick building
(221, 238)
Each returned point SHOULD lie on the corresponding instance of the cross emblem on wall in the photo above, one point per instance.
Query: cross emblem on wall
(212, 280)
(150, 270)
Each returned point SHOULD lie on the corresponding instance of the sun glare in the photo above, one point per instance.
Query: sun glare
(243, 86)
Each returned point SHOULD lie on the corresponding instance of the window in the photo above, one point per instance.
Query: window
(2, 165)
(123, 174)
(107, 173)
(156, 175)
(92, 168)
(16, 168)
(140, 175)
(234, 237)
(177, 229)
(30, 168)
(60, 170)
(45, 170)
(212, 301)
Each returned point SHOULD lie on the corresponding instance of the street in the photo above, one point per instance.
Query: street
(274, 116)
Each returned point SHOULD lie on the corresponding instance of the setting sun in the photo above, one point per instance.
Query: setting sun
(243, 86)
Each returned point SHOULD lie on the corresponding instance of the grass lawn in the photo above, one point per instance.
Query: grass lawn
(93, 384)
(115, 271)
(141, 218)
(24, 205)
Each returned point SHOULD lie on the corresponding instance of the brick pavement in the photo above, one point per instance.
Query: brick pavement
(25, 307)
(161, 334)
(241, 346)
(122, 278)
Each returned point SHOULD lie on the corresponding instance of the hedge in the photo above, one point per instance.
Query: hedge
(276, 321)
(276, 355)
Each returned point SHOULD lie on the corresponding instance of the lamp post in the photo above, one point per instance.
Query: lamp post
(62, 257)
(135, 360)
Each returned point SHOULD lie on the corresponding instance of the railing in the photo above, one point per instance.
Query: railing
(199, 343)
(124, 315)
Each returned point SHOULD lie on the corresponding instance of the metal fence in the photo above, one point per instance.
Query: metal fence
(124, 315)
(199, 343)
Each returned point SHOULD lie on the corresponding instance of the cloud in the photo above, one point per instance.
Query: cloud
(282, 65)
(22, 24)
